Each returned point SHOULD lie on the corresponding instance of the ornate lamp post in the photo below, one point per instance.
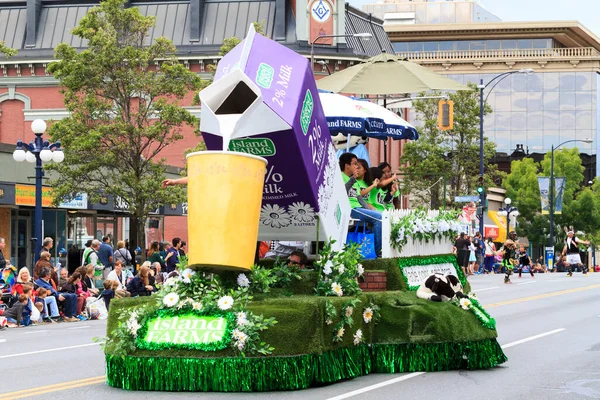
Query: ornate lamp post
(507, 211)
(38, 152)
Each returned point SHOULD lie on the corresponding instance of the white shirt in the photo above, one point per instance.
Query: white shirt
(112, 276)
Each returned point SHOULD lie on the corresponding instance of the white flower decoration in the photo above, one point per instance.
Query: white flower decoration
(240, 345)
(242, 280)
(187, 274)
(197, 306)
(239, 335)
(360, 270)
(465, 304)
(171, 282)
(225, 302)
(241, 319)
(358, 337)
(133, 326)
(328, 321)
(349, 311)
(171, 299)
(337, 289)
(341, 269)
(274, 216)
(367, 315)
(328, 267)
(473, 296)
(340, 332)
(302, 212)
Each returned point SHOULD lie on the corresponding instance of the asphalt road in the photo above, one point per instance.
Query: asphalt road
(548, 327)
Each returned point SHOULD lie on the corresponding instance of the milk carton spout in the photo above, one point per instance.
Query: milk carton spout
(233, 107)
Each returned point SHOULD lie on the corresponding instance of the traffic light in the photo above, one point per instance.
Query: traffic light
(480, 187)
(446, 115)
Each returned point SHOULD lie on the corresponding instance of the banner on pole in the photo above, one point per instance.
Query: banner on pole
(559, 190)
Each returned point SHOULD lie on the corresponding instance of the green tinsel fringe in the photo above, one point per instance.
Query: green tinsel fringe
(258, 374)
(429, 260)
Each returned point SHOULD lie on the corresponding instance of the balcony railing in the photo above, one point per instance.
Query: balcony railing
(577, 52)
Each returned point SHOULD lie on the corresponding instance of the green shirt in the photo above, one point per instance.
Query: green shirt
(376, 197)
(346, 177)
(354, 192)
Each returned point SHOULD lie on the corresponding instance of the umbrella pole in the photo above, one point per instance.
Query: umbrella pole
(348, 144)
(386, 139)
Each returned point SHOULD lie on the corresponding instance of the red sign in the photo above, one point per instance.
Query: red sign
(491, 231)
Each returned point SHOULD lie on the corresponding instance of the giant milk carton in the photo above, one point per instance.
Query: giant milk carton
(264, 102)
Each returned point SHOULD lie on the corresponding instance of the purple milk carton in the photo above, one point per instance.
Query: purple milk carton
(264, 101)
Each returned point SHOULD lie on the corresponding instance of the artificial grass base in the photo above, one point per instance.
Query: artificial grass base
(258, 374)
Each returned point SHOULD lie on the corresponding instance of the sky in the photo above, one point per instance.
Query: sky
(586, 12)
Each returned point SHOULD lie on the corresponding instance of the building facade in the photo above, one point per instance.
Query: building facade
(197, 28)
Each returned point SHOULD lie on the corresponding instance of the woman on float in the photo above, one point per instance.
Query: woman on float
(381, 198)
(359, 195)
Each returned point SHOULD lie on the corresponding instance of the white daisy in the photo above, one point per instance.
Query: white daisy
(340, 332)
(171, 299)
(242, 280)
(171, 282)
(360, 270)
(302, 212)
(225, 302)
(367, 315)
(328, 267)
(241, 319)
(239, 335)
(337, 289)
(349, 311)
(341, 269)
(240, 345)
(358, 337)
(187, 274)
(465, 303)
(133, 326)
(328, 321)
(274, 216)
(197, 306)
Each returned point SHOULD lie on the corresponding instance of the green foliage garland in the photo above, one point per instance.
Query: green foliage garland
(339, 271)
(145, 321)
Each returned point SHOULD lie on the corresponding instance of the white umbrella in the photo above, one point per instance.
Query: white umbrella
(396, 126)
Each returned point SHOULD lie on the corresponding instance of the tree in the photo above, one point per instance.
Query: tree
(7, 51)
(451, 155)
(123, 95)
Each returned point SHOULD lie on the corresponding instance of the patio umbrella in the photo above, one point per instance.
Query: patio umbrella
(386, 74)
(396, 127)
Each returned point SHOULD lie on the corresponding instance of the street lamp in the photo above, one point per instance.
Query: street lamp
(363, 35)
(482, 101)
(38, 152)
(552, 185)
(507, 211)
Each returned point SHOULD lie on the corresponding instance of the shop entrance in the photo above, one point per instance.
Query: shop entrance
(21, 250)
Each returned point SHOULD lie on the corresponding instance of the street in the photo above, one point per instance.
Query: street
(547, 327)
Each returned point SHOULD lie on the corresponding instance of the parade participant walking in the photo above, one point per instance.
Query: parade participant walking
(571, 251)
(524, 261)
(508, 255)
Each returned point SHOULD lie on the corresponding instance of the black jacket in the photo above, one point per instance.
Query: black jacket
(137, 288)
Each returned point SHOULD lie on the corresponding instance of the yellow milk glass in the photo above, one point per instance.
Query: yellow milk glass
(224, 198)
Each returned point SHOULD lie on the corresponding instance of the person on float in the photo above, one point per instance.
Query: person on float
(298, 260)
(571, 251)
(381, 198)
(359, 195)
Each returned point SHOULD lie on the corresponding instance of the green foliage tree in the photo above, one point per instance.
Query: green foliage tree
(123, 94)
(7, 51)
(447, 156)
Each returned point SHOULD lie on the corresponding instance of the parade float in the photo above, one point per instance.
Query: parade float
(226, 325)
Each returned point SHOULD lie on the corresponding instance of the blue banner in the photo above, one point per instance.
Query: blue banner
(559, 190)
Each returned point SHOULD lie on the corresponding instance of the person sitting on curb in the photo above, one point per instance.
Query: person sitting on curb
(69, 300)
(120, 277)
(14, 315)
(140, 284)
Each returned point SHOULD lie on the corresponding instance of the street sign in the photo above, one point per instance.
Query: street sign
(466, 199)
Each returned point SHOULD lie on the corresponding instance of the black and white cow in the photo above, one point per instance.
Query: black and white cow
(440, 287)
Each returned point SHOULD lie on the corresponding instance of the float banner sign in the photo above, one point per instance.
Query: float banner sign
(185, 330)
(559, 190)
(303, 182)
(417, 274)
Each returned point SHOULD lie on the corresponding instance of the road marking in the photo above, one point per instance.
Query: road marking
(529, 339)
(376, 386)
(34, 332)
(541, 296)
(415, 374)
(488, 288)
(79, 327)
(52, 388)
(49, 350)
(526, 283)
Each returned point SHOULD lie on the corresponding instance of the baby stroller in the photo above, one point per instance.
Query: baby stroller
(7, 279)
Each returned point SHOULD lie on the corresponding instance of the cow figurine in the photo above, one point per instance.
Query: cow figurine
(440, 287)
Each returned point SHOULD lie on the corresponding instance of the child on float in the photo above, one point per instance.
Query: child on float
(524, 261)
(380, 197)
(359, 195)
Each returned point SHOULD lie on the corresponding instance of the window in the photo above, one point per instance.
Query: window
(462, 45)
(542, 43)
(431, 46)
(415, 46)
(534, 101)
(567, 122)
(477, 45)
(525, 44)
(509, 44)
(400, 47)
(567, 100)
(493, 44)
(446, 45)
